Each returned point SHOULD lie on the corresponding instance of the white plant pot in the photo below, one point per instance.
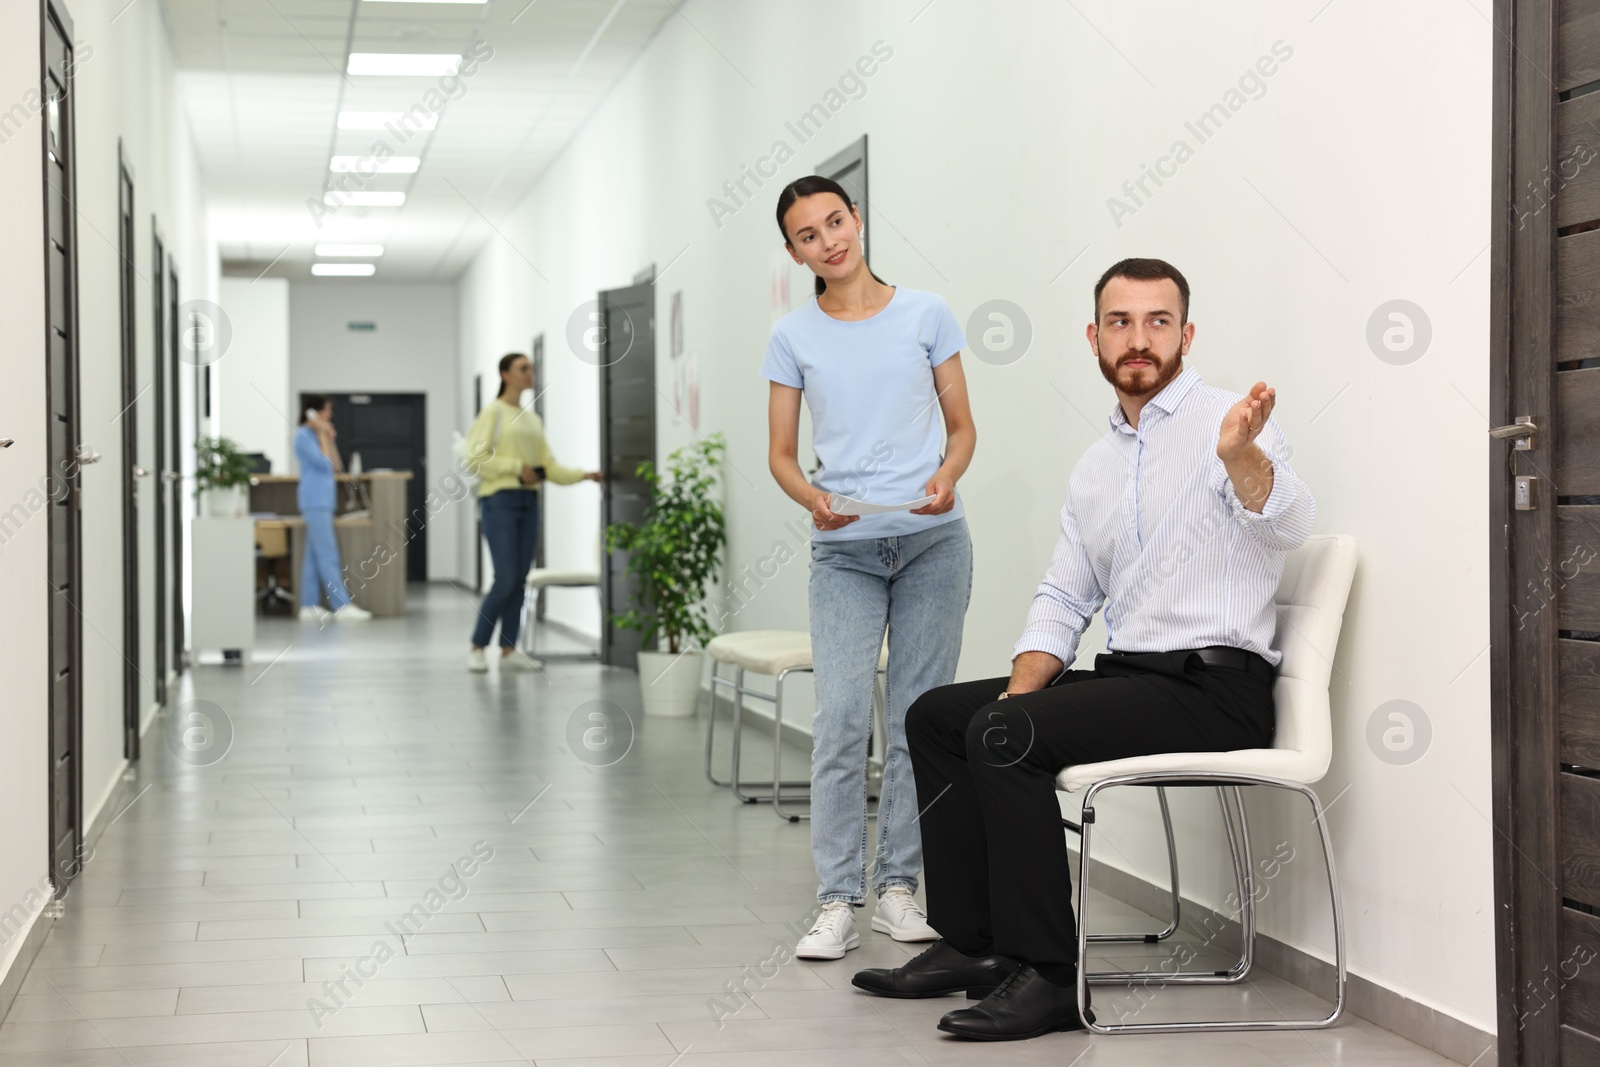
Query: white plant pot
(226, 503)
(670, 683)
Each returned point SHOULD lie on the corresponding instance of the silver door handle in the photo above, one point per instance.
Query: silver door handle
(1523, 429)
(140, 472)
(170, 476)
(6, 442)
(86, 457)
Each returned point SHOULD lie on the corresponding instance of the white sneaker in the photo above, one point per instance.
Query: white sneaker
(351, 613)
(900, 916)
(518, 660)
(833, 934)
(475, 661)
(311, 613)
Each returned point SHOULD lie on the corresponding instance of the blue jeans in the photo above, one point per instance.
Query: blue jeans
(320, 569)
(917, 586)
(511, 527)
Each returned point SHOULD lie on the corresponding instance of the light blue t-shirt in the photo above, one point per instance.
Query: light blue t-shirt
(316, 472)
(877, 427)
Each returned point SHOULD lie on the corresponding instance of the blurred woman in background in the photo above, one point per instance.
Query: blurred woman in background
(318, 458)
(506, 448)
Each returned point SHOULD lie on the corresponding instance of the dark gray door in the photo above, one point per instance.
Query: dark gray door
(65, 571)
(173, 476)
(627, 438)
(128, 421)
(1544, 505)
(848, 167)
(477, 516)
(158, 407)
(390, 430)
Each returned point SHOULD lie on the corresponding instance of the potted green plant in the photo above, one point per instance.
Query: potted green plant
(221, 477)
(674, 553)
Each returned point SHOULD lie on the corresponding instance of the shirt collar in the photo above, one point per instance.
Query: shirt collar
(1167, 400)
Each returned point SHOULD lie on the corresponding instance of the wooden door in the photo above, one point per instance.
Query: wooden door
(1545, 511)
(627, 357)
(66, 450)
(128, 423)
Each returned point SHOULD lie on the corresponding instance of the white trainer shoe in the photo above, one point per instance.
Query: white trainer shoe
(475, 661)
(518, 660)
(351, 613)
(311, 613)
(832, 935)
(900, 916)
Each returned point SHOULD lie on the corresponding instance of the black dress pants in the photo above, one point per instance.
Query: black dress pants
(994, 857)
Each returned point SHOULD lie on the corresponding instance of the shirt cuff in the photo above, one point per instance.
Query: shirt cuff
(1283, 494)
(1041, 641)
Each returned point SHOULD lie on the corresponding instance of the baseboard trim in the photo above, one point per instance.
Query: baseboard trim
(1418, 1023)
(11, 984)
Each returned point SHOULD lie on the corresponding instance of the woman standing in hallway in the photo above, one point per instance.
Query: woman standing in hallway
(877, 365)
(319, 462)
(507, 450)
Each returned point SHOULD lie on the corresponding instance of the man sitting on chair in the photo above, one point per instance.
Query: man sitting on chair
(1177, 520)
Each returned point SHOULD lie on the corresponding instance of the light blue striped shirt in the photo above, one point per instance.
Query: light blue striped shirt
(1152, 528)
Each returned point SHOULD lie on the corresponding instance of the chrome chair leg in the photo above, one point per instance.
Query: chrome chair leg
(1172, 867)
(711, 726)
(1148, 980)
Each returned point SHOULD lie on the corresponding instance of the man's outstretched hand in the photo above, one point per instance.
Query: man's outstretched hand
(1249, 469)
(1243, 422)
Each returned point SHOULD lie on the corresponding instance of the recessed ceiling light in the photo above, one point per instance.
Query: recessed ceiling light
(403, 64)
(349, 250)
(363, 199)
(417, 118)
(428, 1)
(350, 270)
(369, 165)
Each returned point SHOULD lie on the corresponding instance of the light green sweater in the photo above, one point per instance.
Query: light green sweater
(503, 440)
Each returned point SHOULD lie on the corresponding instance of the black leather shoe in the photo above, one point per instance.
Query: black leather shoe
(939, 971)
(1025, 1005)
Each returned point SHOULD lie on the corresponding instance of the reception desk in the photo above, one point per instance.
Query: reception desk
(369, 524)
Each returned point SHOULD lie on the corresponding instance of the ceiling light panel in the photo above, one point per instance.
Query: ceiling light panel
(373, 165)
(403, 64)
(421, 119)
(344, 270)
(364, 198)
(333, 250)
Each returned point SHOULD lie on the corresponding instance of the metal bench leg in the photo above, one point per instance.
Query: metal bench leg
(777, 752)
(711, 725)
(1245, 877)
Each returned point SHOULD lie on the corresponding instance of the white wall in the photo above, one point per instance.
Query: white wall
(24, 787)
(998, 133)
(124, 89)
(413, 350)
(256, 409)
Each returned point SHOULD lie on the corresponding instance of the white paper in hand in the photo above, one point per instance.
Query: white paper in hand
(843, 505)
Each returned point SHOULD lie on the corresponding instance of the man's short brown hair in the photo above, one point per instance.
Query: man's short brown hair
(1145, 270)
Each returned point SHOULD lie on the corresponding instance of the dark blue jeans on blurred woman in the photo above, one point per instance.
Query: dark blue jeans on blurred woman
(511, 528)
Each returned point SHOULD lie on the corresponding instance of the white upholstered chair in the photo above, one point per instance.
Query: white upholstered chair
(778, 653)
(1311, 600)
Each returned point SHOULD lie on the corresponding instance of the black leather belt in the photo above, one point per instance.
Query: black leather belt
(1224, 656)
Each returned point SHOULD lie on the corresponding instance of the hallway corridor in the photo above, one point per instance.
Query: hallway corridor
(618, 905)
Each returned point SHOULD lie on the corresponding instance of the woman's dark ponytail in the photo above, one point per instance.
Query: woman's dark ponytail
(810, 186)
(506, 362)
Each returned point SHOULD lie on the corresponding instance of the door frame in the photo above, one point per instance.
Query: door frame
(158, 456)
(62, 874)
(1523, 687)
(623, 295)
(129, 419)
(174, 482)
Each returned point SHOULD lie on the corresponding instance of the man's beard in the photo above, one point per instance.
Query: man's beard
(1145, 381)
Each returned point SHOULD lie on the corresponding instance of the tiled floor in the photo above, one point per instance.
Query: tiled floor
(221, 918)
